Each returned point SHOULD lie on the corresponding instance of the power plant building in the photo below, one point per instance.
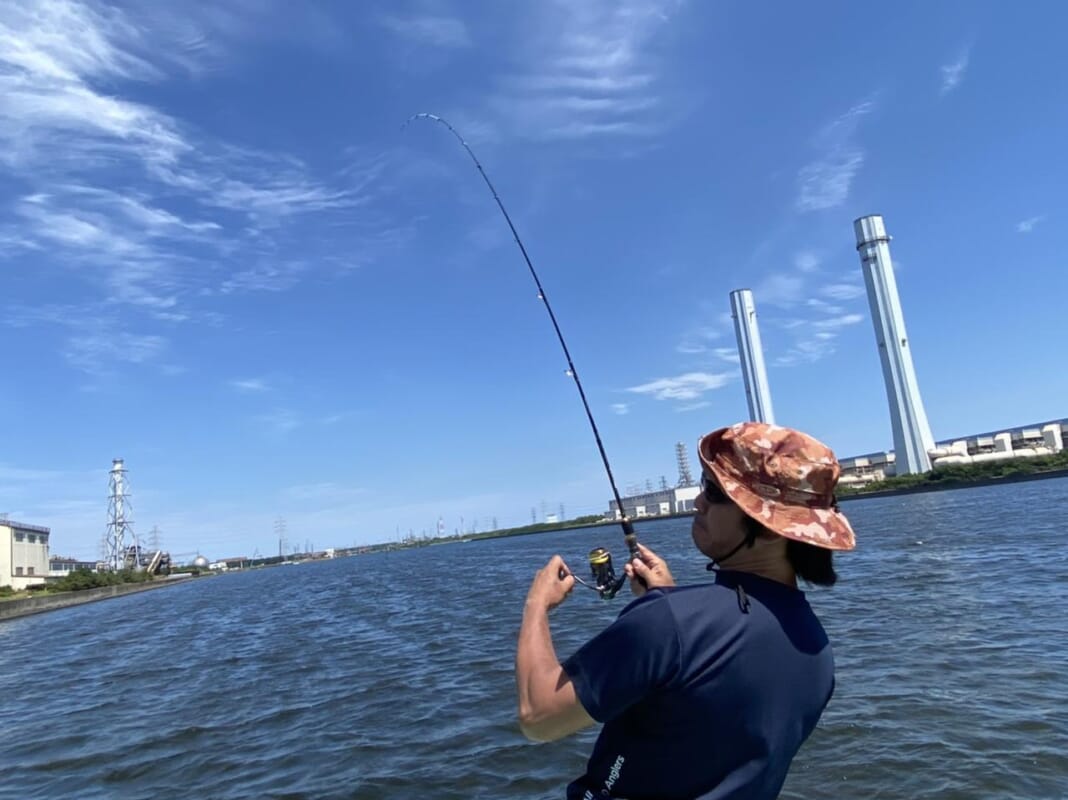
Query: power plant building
(23, 554)
(662, 502)
(908, 419)
(1028, 441)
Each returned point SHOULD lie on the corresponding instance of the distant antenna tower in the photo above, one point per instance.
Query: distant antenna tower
(683, 460)
(280, 532)
(153, 541)
(119, 526)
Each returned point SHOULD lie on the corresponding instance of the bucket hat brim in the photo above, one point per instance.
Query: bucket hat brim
(771, 505)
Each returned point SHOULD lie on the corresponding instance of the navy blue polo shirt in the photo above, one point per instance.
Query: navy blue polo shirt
(706, 692)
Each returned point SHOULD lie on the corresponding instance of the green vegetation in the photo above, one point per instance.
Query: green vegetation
(84, 579)
(953, 475)
(6, 591)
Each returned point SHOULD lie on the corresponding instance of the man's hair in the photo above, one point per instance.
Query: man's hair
(810, 563)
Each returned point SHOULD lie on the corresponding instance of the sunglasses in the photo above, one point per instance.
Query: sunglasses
(713, 494)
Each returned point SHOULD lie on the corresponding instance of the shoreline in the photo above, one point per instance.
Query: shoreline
(948, 485)
(941, 486)
(27, 606)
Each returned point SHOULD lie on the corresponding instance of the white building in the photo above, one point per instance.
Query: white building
(23, 554)
(61, 566)
(662, 502)
(1028, 441)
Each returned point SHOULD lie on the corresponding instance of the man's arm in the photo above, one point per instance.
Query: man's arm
(549, 709)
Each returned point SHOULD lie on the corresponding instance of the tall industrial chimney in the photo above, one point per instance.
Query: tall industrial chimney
(757, 393)
(912, 432)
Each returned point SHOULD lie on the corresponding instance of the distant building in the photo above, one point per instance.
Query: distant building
(1028, 441)
(23, 554)
(677, 500)
(59, 566)
(225, 564)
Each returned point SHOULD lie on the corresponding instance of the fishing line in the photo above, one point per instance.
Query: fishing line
(629, 536)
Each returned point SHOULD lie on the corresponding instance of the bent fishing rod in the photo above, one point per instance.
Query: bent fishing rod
(605, 581)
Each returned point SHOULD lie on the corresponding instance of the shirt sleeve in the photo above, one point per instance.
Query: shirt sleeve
(636, 654)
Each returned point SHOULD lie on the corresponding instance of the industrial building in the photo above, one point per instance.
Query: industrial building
(676, 500)
(1044, 438)
(23, 554)
(664, 501)
(61, 566)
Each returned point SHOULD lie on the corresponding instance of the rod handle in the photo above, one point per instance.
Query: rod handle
(631, 538)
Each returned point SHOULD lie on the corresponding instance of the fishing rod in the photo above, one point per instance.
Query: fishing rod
(600, 560)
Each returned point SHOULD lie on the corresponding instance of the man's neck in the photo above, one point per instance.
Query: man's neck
(766, 558)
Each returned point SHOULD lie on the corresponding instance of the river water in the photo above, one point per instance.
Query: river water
(390, 675)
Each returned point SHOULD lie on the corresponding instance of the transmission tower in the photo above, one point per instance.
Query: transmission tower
(280, 532)
(120, 527)
(153, 541)
(685, 478)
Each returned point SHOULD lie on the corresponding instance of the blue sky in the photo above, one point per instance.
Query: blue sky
(223, 260)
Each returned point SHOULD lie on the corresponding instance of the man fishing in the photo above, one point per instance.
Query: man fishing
(705, 692)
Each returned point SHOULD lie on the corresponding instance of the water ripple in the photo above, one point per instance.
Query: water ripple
(390, 675)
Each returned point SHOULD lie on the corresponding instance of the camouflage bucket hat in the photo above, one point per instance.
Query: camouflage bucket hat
(782, 478)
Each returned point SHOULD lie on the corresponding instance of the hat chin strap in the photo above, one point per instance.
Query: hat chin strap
(750, 537)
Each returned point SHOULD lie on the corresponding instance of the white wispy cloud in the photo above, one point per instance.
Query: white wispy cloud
(689, 386)
(833, 323)
(779, 289)
(91, 351)
(825, 182)
(842, 291)
(437, 31)
(250, 385)
(953, 72)
(807, 261)
(1028, 225)
(264, 277)
(728, 354)
(179, 205)
(814, 339)
(593, 71)
(621, 408)
(823, 306)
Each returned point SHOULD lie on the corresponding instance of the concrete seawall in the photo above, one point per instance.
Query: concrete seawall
(12, 609)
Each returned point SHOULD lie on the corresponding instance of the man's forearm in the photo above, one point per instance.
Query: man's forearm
(536, 665)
